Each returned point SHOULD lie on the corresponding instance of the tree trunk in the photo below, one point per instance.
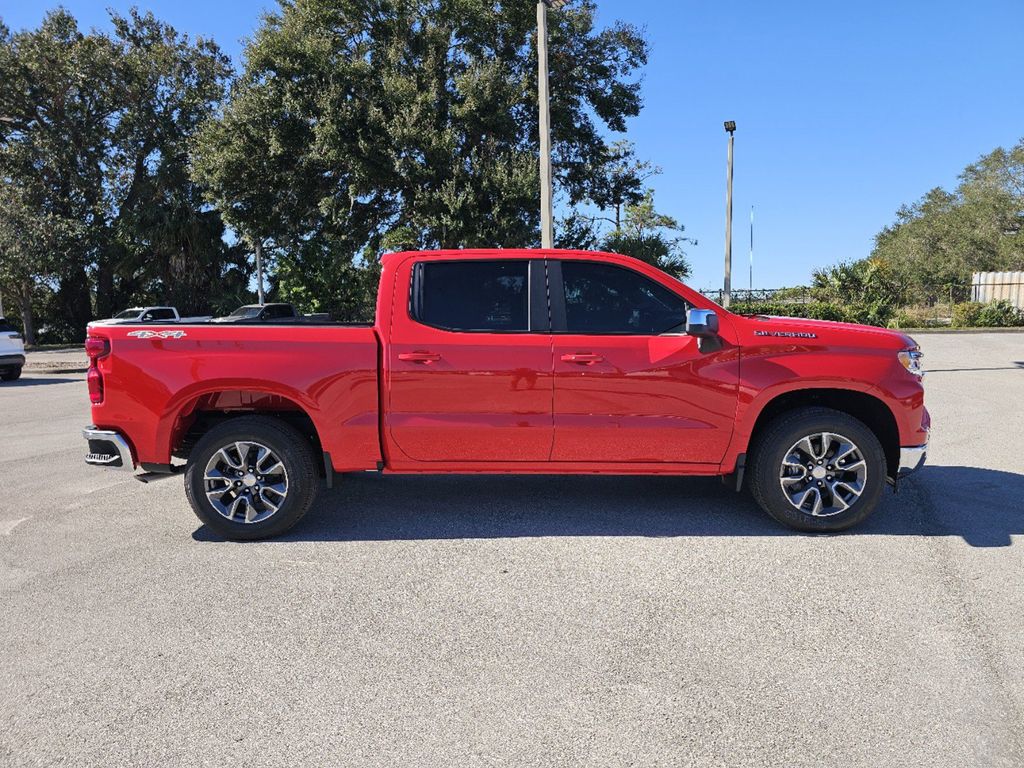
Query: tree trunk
(73, 300)
(25, 304)
(105, 285)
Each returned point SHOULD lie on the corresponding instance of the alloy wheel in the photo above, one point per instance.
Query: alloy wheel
(823, 474)
(245, 482)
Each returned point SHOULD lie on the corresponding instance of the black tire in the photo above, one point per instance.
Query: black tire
(11, 374)
(773, 445)
(292, 449)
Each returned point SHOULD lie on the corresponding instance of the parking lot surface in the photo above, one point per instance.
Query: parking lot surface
(463, 621)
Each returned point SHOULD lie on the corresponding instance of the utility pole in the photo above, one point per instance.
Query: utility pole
(730, 127)
(547, 228)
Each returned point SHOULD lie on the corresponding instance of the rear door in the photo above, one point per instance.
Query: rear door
(630, 386)
(469, 369)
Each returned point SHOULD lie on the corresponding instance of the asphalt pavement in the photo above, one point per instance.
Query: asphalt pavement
(518, 621)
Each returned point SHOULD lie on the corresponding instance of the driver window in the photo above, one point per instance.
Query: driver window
(609, 299)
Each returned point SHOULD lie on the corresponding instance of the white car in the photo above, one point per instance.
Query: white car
(152, 315)
(12, 352)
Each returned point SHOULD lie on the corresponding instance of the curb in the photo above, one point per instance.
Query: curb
(35, 369)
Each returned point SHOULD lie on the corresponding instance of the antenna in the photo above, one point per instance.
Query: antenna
(751, 285)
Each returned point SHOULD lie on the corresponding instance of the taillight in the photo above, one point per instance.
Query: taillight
(95, 348)
(95, 380)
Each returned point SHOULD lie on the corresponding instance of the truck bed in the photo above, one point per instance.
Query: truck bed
(159, 378)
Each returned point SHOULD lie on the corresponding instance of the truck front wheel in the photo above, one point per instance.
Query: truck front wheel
(251, 477)
(816, 469)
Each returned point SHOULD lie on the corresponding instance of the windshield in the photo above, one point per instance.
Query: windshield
(126, 313)
(246, 312)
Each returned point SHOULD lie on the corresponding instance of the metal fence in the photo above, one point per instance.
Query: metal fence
(745, 296)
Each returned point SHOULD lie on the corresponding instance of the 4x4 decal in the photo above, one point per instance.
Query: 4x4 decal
(158, 334)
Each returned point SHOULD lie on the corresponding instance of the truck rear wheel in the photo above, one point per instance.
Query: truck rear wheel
(816, 469)
(11, 374)
(251, 477)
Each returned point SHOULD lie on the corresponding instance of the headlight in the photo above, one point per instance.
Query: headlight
(911, 360)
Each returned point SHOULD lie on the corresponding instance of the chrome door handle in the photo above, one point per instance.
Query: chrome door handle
(419, 357)
(583, 358)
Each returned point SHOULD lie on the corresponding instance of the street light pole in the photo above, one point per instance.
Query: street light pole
(730, 127)
(547, 229)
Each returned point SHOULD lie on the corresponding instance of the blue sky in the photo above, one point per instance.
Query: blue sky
(844, 110)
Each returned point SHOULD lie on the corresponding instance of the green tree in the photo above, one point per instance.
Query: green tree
(29, 242)
(360, 125)
(652, 237)
(94, 132)
(935, 244)
(619, 180)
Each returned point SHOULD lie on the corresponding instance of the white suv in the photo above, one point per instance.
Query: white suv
(12, 352)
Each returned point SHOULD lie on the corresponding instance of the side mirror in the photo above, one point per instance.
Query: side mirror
(702, 323)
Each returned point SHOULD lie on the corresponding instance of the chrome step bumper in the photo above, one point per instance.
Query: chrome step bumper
(912, 459)
(107, 448)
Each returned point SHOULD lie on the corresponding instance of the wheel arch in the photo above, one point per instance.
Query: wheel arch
(863, 406)
(201, 411)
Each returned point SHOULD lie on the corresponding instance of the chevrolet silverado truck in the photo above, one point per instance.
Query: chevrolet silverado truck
(512, 361)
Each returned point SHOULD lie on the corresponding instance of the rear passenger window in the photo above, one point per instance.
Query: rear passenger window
(608, 299)
(472, 295)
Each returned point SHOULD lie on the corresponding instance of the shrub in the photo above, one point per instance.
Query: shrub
(996, 314)
(916, 317)
(817, 310)
(965, 315)
(1000, 314)
(876, 312)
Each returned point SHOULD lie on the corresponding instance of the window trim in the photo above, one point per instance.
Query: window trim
(537, 312)
(559, 319)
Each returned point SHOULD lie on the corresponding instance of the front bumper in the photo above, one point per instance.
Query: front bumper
(107, 448)
(912, 459)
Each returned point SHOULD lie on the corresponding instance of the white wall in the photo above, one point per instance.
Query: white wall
(990, 286)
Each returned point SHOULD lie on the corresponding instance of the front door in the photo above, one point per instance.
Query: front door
(629, 385)
(469, 372)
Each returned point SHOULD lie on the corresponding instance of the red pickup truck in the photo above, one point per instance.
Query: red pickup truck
(512, 361)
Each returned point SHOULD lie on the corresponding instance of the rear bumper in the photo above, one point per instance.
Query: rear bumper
(912, 458)
(107, 448)
(12, 361)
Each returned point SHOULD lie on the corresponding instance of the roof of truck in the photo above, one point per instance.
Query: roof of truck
(498, 253)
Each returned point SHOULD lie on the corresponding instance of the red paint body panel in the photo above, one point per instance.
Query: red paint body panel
(153, 385)
(482, 398)
(422, 399)
(647, 399)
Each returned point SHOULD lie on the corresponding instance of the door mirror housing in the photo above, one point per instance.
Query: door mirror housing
(702, 323)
